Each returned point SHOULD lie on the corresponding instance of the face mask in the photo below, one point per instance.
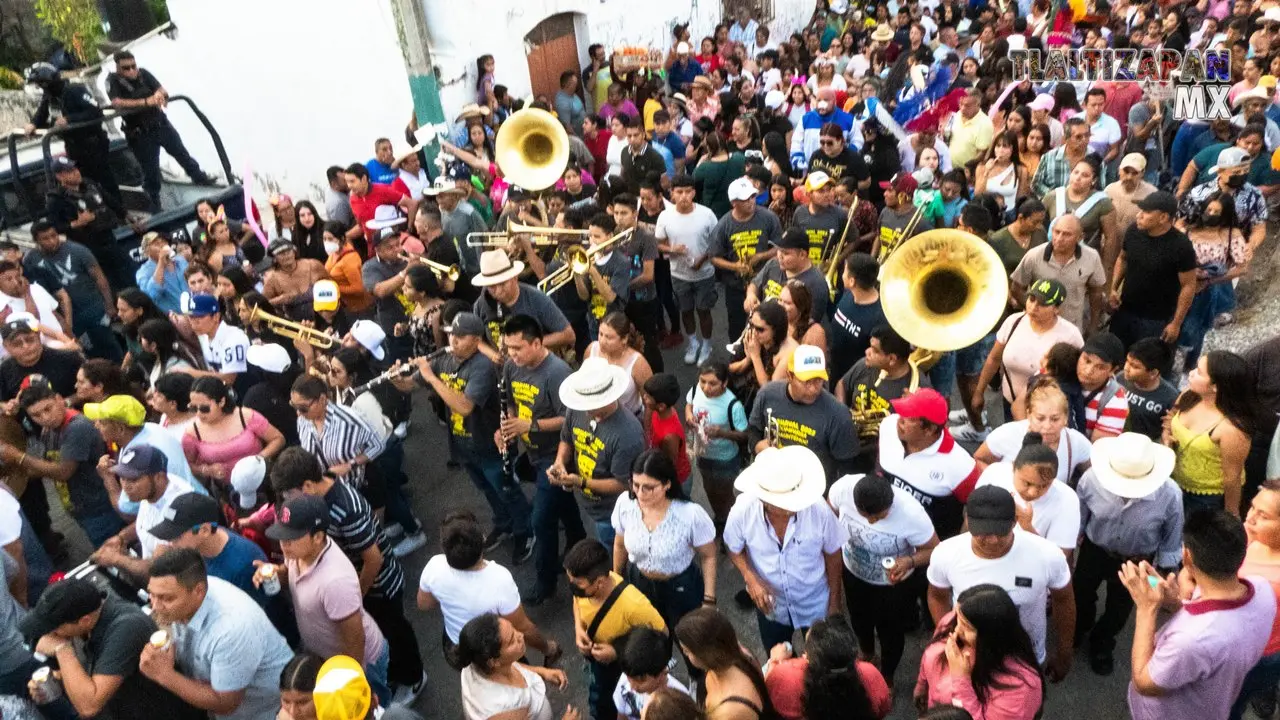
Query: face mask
(1211, 219)
(331, 247)
(578, 592)
(1235, 182)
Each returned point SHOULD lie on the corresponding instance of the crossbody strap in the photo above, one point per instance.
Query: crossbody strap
(605, 608)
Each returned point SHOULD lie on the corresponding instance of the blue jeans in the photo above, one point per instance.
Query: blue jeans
(39, 566)
(376, 674)
(391, 463)
(773, 632)
(100, 528)
(552, 507)
(510, 507)
(969, 360)
(943, 375)
(1207, 305)
(1262, 678)
(605, 534)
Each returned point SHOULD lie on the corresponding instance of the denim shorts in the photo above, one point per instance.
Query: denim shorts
(969, 361)
(694, 294)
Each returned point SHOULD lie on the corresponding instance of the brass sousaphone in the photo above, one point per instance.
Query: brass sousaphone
(942, 290)
(532, 149)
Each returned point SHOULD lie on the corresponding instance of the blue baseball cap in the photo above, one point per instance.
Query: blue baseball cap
(199, 304)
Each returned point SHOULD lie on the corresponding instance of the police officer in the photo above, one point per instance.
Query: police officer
(79, 209)
(139, 94)
(87, 146)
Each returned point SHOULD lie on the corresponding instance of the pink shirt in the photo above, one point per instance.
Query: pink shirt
(326, 594)
(250, 441)
(1256, 564)
(786, 688)
(1024, 348)
(1020, 701)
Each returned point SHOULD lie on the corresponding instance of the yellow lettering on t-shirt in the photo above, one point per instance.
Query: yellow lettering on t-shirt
(794, 433)
(597, 305)
(772, 289)
(457, 421)
(745, 243)
(817, 241)
(586, 448)
(888, 242)
(61, 486)
(525, 395)
(495, 333)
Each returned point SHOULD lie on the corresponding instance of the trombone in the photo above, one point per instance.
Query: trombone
(542, 236)
(293, 330)
(578, 261)
(440, 270)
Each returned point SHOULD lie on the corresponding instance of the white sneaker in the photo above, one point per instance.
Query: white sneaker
(409, 544)
(957, 417)
(967, 433)
(705, 352)
(691, 352)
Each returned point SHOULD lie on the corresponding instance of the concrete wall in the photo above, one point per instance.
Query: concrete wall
(15, 109)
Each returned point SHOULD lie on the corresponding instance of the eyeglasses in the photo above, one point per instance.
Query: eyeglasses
(202, 409)
(303, 407)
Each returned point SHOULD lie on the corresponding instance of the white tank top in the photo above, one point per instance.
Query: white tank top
(1005, 184)
(630, 399)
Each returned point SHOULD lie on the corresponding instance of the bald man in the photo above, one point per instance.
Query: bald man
(1077, 266)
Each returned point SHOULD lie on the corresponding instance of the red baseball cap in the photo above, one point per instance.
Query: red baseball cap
(903, 183)
(927, 404)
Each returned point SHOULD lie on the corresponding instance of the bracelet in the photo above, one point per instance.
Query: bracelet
(583, 483)
(22, 461)
(708, 599)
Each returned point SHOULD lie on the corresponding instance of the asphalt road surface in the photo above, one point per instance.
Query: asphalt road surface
(436, 491)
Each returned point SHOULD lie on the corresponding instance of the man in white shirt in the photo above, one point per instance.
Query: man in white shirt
(225, 347)
(1030, 568)
(144, 478)
(786, 542)
(17, 294)
(743, 31)
(1104, 131)
(684, 233)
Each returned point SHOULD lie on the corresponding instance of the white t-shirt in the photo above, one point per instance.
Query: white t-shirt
(1103, 134)
(691, 230)
(227, 351)
(465, 594)
(152, 514)
(1032, 567)
(46, 313)
(941, 470)
(669, 548)
(905, 528)
(10, 517)
(483, 698)
(630, 703)
(1055, 516)
(1074, 449)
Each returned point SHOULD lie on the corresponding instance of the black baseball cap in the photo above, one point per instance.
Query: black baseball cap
(63, 602)
(62, 163)
(186, 512)
(300, 517)
(991, 511)
(140, 460)
(1159, 201)
(1048, 292)
(793, 239)
(1106, 346)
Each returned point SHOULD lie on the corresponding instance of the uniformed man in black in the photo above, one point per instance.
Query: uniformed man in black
(88, 146)
(137, 93)
(79, 209)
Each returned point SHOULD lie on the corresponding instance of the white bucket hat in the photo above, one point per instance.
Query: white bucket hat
(496, 267)
(791, 478)
(594, 385)
(1131, 465)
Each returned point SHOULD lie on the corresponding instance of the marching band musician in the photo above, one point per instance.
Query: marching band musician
(465, 379)
(918, 454)
(805, 414)
(383, 276)
(791, 263)
(440, 249)
(741, 243)
(641, 251)
(880, 377)
(499, 280)
(821, 219)
(533, 375)
(288, 283)
(604, 286)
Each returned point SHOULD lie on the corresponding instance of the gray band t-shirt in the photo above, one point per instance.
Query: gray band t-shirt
(736, 240)
(535, 392)
(606, 450)
(825, 426)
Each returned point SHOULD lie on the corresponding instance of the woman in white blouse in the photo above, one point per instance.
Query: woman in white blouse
(659, 533)
(1044, 506)
(494, 684)
(1047, 414)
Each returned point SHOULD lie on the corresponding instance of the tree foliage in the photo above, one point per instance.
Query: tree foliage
(74, 23)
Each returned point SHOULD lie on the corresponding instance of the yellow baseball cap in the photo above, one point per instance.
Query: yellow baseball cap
(121, 408)
(324, 296)
(342, 691)
(807, 363)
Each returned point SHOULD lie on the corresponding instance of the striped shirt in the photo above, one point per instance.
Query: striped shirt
(346, 436)
(354, 529)
(1114, 413)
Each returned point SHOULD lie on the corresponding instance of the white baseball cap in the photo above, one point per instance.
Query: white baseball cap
(742, 189)
(247, 476)
(808, 362)
(682, 48)
(371, 335)
(271, 357)
(774, 99)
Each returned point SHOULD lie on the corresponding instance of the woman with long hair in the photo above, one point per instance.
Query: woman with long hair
(782, 201)
(982, 660)
(1065, 103)
(1262, 557)
(717, 168)
(160, 339)
(286, 217)
(734, 687)
(1210, 430)
(796, 299)
(221, 252)
(828, 681)
(170, 396)
(423, 326)
(776, 156)
(308, 234)
(224, 433)
(620, 343)
(766, 347)
(297, 683)
(1002, 173)
(494, 683)
(797, 105)
(1039, 142)
(1222, 255)
(134, 308)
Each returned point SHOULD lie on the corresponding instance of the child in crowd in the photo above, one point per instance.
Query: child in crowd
(718, 421)
(645, 659)
(1106, 404)
(663, 429)
(1150, 395)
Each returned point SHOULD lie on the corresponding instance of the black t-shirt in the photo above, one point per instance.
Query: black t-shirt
(64, 206)
(58, 366)
(883, 162)
(80, 442)
(113, 648)
(272, 404)
(1147, 408)
(849, 334)
(1152, 265)
(140, 88)
(847, 164)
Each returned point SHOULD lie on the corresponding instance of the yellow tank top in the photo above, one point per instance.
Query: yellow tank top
(1199, 460)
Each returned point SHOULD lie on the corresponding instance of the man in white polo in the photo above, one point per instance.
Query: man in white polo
(144, 478)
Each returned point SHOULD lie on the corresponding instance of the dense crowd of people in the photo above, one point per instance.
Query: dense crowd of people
(227, 422)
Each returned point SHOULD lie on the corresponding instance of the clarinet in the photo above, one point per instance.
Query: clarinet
(504, 401)
(404, 371)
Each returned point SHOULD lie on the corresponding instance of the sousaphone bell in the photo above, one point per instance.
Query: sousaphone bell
(532, 149)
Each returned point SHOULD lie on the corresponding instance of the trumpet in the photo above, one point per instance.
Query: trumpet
(440, 270)
(772, 436)
(578, 261)
(542, 236)
(293, 330)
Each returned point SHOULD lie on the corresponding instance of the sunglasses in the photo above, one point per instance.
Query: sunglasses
(202, 409)
(127, 68)
(303, 407)
(828, 143)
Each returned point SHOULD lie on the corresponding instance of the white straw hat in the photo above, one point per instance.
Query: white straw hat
(791, 478)
(594, 385)
(1131, 465)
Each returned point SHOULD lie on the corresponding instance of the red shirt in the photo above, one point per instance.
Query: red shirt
(786, 688)
(599, 148)
(364, 207)
(659, 430)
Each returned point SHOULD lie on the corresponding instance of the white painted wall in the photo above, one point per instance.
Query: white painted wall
(305, 84)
